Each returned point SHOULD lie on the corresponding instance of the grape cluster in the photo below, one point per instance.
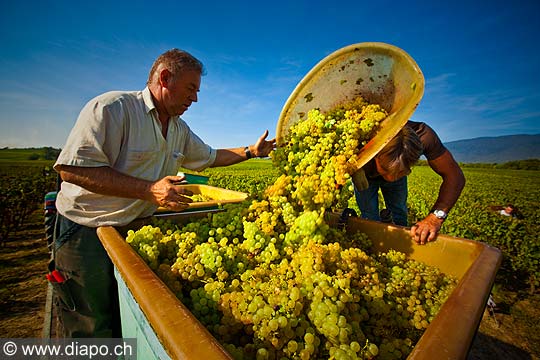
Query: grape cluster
(271, 279)
(199, 198)
(320, 152)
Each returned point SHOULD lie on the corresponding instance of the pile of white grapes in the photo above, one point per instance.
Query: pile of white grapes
(271, 279)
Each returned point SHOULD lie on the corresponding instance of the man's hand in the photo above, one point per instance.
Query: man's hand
(426, 230)
(263, 147)
(167, 193)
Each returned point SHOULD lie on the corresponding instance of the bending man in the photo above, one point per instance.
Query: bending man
(389, 169)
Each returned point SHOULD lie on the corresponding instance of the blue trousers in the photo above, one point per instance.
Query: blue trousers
(395, 198)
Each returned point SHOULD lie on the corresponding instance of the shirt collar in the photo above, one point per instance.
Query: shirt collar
(147, 98)
(149, 103)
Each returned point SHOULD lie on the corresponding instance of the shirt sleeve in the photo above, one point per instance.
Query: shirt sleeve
(433, 146)
(198, 155)
(95, 139)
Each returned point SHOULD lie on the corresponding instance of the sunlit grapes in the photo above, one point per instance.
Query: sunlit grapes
(271, 279)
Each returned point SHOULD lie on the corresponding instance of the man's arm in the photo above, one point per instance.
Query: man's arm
(261, 148)
(449, 192)
(453, 181)
(107, 181)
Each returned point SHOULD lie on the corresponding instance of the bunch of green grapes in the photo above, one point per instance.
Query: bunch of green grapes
(145, 241)
(271, 279)
(320, 151)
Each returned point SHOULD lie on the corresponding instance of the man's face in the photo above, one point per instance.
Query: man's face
(386, 174)
(180, 92)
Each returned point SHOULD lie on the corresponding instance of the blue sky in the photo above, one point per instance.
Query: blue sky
(480, 59)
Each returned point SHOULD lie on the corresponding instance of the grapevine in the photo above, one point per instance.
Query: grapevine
(22, 192)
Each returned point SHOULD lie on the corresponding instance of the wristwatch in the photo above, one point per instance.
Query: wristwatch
(440, 214)
(248, 153)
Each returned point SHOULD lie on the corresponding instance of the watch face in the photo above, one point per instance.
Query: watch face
(440, 214)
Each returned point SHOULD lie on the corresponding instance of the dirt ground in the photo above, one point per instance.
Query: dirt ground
(509, 333)
(512, 332)
(23, 288)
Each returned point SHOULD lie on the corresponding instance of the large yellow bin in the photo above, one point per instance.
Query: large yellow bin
(179, 335)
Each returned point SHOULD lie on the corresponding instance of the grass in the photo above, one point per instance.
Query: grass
(24, 157)
(251, 164)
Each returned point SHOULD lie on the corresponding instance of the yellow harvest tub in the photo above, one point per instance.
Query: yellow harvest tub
(381, 73)
(157, 314)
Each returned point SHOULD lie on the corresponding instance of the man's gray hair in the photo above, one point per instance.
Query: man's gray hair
(176, 61)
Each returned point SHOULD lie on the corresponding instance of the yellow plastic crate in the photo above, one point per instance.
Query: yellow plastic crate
(381, 73)
(182, 336)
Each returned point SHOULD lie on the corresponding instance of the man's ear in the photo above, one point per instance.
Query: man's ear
(165, 77)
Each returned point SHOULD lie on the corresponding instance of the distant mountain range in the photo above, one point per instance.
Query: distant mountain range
(498, 149)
